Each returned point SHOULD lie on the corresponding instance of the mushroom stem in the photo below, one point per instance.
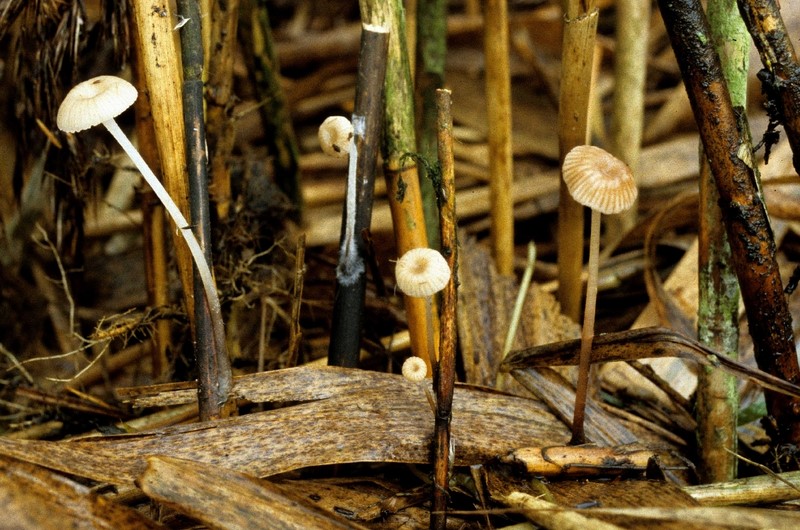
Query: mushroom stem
(180, 221)
(429, 327)
(587, 333)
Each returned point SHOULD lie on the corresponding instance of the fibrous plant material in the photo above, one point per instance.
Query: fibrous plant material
(746, 221)
(445, 374)
(402, 178)
(580, 28)
(498, 100)
(351, 278)
(718, 290)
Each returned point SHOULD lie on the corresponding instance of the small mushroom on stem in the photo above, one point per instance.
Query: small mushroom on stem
(605, 184)
(421, 273)
(98, 101)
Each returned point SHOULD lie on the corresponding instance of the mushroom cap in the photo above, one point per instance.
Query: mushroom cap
(94, 101)
(335, 135)
(415, 369)
(421, 272)
(597, 179)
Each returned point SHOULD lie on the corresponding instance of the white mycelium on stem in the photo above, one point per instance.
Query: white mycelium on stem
(351, 264)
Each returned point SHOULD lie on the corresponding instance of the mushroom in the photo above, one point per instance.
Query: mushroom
(605, 184)
(335, 136)
(415, 369)
(98, 101)
(421, 273)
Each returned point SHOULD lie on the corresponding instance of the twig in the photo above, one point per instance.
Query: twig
(445, 375)
(295, 332)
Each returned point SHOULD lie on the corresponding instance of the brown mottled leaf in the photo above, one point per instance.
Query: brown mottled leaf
(34, 498)
(355, 416)
(207, 493)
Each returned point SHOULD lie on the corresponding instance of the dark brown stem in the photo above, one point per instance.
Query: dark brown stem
(213, 363)
(445, 375)
(781, 75)
(351, 279)
(751, 239)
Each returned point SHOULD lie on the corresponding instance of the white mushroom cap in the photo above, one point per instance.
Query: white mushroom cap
(415, 369)
(335, 135)
(94, 101)
(421, 272)
(597, 179)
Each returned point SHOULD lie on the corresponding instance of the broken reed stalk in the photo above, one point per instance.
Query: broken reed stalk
(781, 75)
(718, 306)
(351, 275)
(445, 373)
(214, 377)
(277, 122)
(431, 50)
(498, 101)
(749, 233)
(580, 29)
(630, 74)
(157, 51)
(153, 223)
(402, 178)
(223, 21)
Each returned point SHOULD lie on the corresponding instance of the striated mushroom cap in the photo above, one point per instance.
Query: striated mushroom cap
(94, 101)
(415, 369)
(421, 272)
(335, 135)
(597, 179)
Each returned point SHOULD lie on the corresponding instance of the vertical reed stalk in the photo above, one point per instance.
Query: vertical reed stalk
(402, 178)
(498, 99)
(580, 30)
(718, 322)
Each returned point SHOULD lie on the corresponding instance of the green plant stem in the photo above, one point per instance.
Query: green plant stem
(401, 174)
(430, 63)
(718, 306)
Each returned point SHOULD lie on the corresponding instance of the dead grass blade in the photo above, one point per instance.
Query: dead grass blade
(643, 343)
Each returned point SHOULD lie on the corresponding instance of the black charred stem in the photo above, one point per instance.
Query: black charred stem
(351, 279)
(213, 364)
(780, 78)
(749, 232)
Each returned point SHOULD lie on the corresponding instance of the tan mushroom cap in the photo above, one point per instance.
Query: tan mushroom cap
(597, 179)
(421, 272)
(335, 135)
(94, 101)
